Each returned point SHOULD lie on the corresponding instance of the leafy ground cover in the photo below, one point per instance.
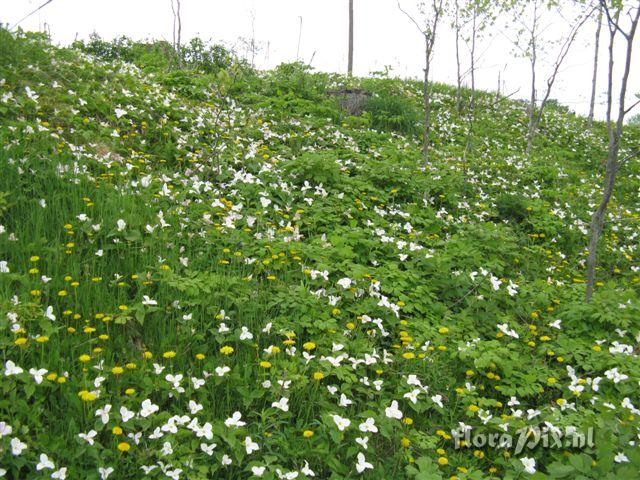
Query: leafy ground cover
(217, 273)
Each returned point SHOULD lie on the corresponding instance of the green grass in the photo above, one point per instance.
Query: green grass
(238, 191)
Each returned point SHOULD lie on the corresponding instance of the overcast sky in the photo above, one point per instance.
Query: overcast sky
(383, 36)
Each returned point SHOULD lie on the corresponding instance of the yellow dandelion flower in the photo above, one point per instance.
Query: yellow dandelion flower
(226, 350)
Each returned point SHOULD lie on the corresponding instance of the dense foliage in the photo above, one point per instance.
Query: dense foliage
(217, 273)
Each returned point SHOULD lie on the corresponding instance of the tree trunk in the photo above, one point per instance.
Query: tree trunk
(595, 68)
(178, 38)
(532, 102)
(615, 134)
(427, 102)
(472, 102)
(350, 64)
(458, 74)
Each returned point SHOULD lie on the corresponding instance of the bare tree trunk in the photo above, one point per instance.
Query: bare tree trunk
(427, 102)
(595, 68)
(173, 10)
(535, 114)
(472, 101)
(178, 39)
(615, 133)
(299, 38)
(429, 34)
(533, 60)
(458, 74)
(350, 64)
(177, 20)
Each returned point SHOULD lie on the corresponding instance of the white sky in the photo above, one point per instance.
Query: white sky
(383, 36)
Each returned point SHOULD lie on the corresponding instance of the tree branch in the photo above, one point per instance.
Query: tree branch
(412, 19)
(31, 13)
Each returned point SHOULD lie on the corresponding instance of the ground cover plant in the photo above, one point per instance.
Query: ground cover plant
(215, 272)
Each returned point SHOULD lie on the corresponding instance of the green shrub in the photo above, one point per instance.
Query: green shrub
(511, 208)
(297, 79)
(395, 113)
(316, 168)
(21, 48)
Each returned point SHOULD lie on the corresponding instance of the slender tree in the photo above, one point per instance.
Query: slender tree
(594, 78)
(299, 38)
(477, 15)
(531, 44)
(457, 26)
(177, 31)
(616, 12)
(430, 15)
(350, 63)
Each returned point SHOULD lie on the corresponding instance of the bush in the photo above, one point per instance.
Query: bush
(395, 113)
(316, 168)
(297, 79)
(21, 48)
(511, 208)
(209, 58)
(155, 55)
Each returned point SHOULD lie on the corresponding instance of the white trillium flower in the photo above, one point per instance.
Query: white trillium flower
(88, 437)
(45, 463)
(11, 368)
(282, 404)
(529, 465)
(621, 458)
(126, 414)
(38, 375)
(369, 425)
(362, 463)
(105, 472)
(234, 420)
(258, 471)
(393, 411)
(103, 413)
(148, 408)
(250, 446)
(341, 422)
(17, 446)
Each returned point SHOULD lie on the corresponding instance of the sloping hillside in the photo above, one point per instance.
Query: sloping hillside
(221, 274)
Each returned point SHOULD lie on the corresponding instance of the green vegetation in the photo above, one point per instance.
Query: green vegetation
(215, 272)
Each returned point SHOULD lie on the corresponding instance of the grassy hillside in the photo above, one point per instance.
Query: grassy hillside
(218, 273)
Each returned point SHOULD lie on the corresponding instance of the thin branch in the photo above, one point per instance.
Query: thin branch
(613, 23)
(632, 107)
(635, 154)
(29, 14)
(412, 19)
(503, 98)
